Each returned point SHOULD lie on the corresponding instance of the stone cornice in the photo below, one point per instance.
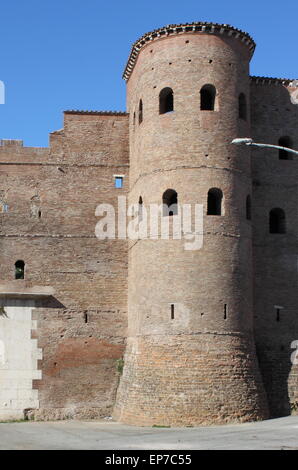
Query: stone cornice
(99, 113)
(273, 81)
(196, 27)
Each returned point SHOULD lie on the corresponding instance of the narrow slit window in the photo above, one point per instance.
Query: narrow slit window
(172, 311)
(278, 312)
(225, 311)
(140, 209)
(140, 111)
(19, 269)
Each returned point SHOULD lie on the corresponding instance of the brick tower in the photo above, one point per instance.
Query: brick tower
(190, 356)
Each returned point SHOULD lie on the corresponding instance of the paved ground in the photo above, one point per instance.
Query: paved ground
(279, 433)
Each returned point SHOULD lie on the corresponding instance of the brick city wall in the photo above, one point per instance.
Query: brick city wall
(51, 196)
(224, 353)
(275, 185)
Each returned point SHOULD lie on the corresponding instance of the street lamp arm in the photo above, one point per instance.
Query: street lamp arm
(286, 149)
(250, 142)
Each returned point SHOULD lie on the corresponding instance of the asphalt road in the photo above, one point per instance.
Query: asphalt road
(279, 433)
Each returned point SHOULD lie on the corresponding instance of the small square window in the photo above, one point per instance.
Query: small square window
(3, 208)
(118, 181)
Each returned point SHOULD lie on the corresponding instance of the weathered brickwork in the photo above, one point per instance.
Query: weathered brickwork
(205, 335)
(81, 329)
(275, 184)
(188, 150)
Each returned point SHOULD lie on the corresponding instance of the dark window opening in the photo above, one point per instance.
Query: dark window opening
(118, 182)
(140, 111)
(248, 208)
(277, 221)
(242, 106)
(170, 202)
(208, 93)
(285, 142)
(140, 209)
(225, 311)
(166, 101)
(214, 201)
(19, 269)
(134, 118)
(277, 314)
(172, 311)
(86, 317)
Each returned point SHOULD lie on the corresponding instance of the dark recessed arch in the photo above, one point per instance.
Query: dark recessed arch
(208, 94)
(166, 100)
(19, 269)
(170, 202)
(214, 202)
(277, 221)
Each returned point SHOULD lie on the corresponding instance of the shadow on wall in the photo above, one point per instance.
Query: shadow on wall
(278, 372)
(274, 108)
(48, 302)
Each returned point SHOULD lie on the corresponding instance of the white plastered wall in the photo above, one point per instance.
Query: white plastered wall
(18, 358)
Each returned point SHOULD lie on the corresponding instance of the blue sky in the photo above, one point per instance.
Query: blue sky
(70, 54)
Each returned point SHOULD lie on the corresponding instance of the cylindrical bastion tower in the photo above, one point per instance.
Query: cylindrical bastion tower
(190, 356)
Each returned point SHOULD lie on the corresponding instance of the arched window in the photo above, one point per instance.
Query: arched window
(166, 101)
(285, 142)
(277, 221)
(140, 111)
(170, 202)
(19, 269)
(248, 208)
(208, 93)
(140, 209)
(242, 106)
(214, 201)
